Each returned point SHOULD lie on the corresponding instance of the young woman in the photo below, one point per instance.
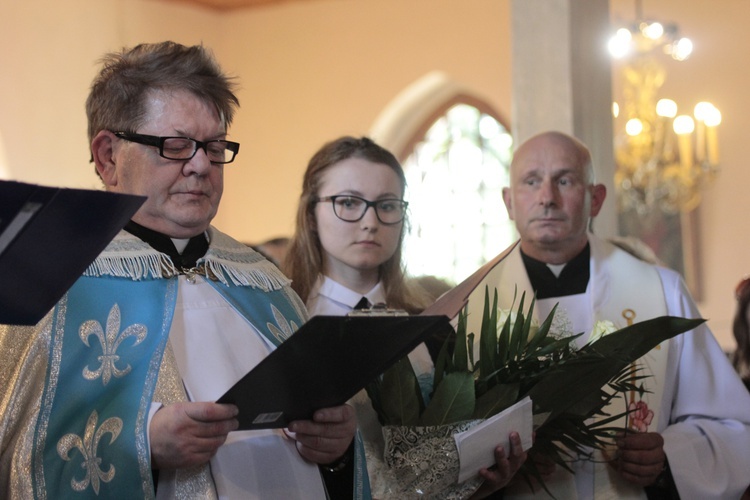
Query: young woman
(346, 254)
(350, 225)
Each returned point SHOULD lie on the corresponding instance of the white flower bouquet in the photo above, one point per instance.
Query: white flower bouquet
(517, 358)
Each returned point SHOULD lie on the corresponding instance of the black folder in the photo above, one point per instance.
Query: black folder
(48, 236)
(326, 362)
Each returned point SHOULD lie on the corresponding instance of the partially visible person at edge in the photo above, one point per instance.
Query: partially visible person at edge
(273, 249)
(741, 331)
(346, 254)
(693, 439)
(181, 312)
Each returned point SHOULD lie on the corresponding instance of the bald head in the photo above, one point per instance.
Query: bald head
(552, 196)
(577, 151)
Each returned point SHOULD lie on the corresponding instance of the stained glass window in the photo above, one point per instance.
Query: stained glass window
(456, 174)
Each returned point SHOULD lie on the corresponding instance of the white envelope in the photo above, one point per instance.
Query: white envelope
(476, 447)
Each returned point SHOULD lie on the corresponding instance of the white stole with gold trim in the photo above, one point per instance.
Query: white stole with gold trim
(619, 284)
(627, 290)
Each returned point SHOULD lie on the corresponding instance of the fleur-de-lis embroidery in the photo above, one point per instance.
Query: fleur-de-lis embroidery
(284, 329)
(88, 447)
(110, 342)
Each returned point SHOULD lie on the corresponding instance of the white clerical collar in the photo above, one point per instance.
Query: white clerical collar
(339, 293)
(180, 244)
(555, 268)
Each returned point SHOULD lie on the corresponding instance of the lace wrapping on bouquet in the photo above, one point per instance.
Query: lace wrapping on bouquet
(422, 462)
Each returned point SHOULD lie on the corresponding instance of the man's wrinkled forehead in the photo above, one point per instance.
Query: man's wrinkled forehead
(547, 156)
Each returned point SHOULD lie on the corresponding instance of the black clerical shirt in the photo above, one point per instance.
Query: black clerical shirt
(573, 279)
(195, 249)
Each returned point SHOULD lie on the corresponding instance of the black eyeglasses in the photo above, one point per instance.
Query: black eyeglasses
(352, 208)
(184, 148)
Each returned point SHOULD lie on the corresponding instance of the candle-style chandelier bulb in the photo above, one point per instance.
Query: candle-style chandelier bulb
(663, 160)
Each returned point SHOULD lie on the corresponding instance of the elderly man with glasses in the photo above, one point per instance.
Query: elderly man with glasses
(112, 393)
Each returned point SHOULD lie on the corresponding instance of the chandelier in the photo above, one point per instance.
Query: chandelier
(664, 160)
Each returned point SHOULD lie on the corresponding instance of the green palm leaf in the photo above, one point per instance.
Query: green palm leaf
(488, 358)
(597, 363)
(496, 400)
(403, 403)
(452, 401)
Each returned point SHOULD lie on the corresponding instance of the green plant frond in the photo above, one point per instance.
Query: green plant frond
(470, 349)
(634, 341)
(558, 445)
(530, 474)
(580, 445)
(549, 346)
(452, 402)
(589, 404)
(495, 400)
(504, 337)
(632, 381)
(543, 331)
(503, 344)
(630, 378)
(493, 331)
(538, 419)
(524, 339)
(629, 385)
(568, 384)
(440, 366)
(630, 374)
(608, 399)
(484, 382)
(487, 338)
(575, 445)
(460, 358)
(374, 390)
(642, 390)
(530, 312)
(515, 296)
(574, 433)
(601, 423)
(517, 342)
(404, 402)
(552, 449)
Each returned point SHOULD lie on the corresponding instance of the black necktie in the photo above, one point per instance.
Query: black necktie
(362, 304)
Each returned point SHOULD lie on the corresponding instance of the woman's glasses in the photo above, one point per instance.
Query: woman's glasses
(352, 208)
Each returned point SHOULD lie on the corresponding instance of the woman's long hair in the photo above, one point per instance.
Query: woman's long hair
(304, 260)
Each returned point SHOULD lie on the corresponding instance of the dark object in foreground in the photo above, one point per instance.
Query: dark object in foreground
(326, 362)
(48, 237)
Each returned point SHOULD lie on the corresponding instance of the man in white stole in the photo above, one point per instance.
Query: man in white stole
(696, 440)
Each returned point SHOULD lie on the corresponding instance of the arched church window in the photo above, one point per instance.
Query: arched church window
(456, 168)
